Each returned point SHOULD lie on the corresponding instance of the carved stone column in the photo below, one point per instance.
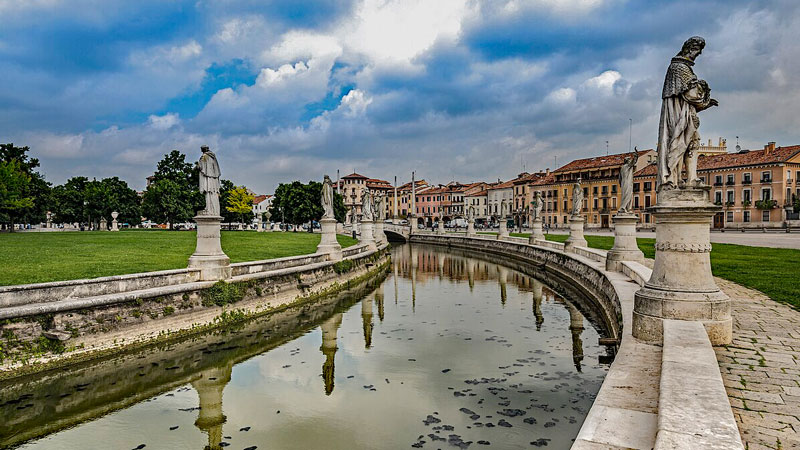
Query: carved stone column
(471, 227)
(536, 231)
(367, 236)
(682, 286)
(114, 223)
(625, 247)
(576, 238)
(440, 227)
(328, 243)
(378, 234)
(213, 263)
(503, 230)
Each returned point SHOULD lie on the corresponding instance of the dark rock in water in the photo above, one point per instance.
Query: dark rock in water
(541, 442)
(467, 411)
(435, 438)
(503, 423)
(448, 427)
(278, 412)
(484, 442)
(417, 445)
(505, 403)
(549, 424)
(351, 376)
(431, 419)
(489, 425)
(459, 394)
(456, 441)
(445, 370)
(511, 412)
(244, 429)
(172, 428)
(475, 417)
(140, 447)
(224, 444)
(252, 447)
(529, 420)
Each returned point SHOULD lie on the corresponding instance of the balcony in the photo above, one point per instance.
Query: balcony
(789, 181)
(766, 180)
(730, 183)
(747, 181)
(718, 183)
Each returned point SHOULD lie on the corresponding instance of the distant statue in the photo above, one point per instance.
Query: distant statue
(470, 213)
(503, 208)
(382, 209)
(377, 206)
(536, 206)
(626, 181)
(327, 198)
(209, 181)
(366, 207)
(682, 97)
(577, 198)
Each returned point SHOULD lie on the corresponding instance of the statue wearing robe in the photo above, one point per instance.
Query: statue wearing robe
(682, 97)
(536, 206)
(626, 182)
(327, 198)
(366, 207)
(209, 181)
(577, 198)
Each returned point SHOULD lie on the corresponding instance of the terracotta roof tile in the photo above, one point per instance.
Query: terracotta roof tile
(354, 175)
(596, 162)
(649, 170)
(751, 158)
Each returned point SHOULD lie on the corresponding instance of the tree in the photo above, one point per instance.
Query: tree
(80, 200)
(14, 187)
(298, 203)
(165, 201)
(240, 202)
(226, 187)
(37, 189)
(173, 194)
(67, 200)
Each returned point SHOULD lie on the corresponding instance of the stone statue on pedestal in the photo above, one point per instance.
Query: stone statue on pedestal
(209, 181)
(327, 198)
(366, 207)
(577, 198)
(682, 97)
(626, 181)
(536, 206)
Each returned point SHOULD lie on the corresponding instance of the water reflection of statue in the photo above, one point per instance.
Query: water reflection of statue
(327, 198)
(538, 290)
(329, 330)
(577, 198)
(576, 328)
(682, 97)
(626, 182)
(209, 387)
(379, 300)
(503, 278)
(209, 181)
(366, 319)
(366, 207)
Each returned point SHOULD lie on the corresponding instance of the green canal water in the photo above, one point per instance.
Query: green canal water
(446, 350)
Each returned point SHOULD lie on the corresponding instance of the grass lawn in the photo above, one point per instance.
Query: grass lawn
(773, 271)
(40, 257)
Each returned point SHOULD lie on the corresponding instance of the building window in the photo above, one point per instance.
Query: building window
(731, 180)
(766, 176)
(746, 216)
(594, 190)
(718, 180)
(636, 202)
(647, 218)
(766, 194)
(730, 217)
(730, 197)
(648, 186)
(613, 188)
(703, 179)
(646, 201)
(718, 197)
(746, 196)
(765, 215)
(595, 204)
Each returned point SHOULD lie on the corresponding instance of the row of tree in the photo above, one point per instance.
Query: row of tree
(172, 196)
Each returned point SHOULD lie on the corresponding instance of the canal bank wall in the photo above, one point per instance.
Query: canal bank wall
(653, 397)
(49, 325)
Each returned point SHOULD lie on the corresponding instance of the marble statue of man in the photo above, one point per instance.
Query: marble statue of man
(682, 97)
(366, 207)
(382, 208)
(209, 181)
(536, 206)
(626, 181)
(327, 198)
(577, 198)
(377, 212)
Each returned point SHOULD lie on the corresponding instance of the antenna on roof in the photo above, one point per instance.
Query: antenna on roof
(606, 148)
(630, 134)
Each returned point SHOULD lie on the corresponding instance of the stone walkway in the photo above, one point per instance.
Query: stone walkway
(761, 369)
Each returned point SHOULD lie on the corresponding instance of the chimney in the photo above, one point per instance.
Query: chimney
(547, 172)
(769, 147)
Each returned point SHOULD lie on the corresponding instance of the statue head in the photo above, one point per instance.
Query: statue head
(204, 148)
(692, 48)
(327, 180)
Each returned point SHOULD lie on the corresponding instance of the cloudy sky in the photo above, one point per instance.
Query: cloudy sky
(456, 89)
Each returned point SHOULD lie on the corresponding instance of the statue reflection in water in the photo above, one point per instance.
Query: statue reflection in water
(503, 278)
(537, 304)
(366, 319)
(329, 330)
(576, 328)
(209, 386)
(379, 300)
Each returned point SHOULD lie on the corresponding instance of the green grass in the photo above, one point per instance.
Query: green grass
(40, 257)
(772, 271)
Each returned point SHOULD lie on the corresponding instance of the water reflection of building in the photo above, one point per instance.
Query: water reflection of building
(366, 320)
(576, 328)
(329, 330)
(209, 387)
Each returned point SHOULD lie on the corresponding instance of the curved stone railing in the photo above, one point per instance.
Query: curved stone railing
(652, 397)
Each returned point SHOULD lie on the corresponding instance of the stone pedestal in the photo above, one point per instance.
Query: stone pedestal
(681, 286)
(213, 263)
(440, 227)
(328, 243)
(625, 247)
(503, 233)
(576, 238)
(103, 224)
(378, 234)
(114, 224)
(367, 236)
(471, 227)
(536, 232)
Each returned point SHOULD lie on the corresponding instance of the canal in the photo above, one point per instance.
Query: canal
(448, 349)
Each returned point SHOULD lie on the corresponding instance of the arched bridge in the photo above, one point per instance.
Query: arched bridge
(394, 232)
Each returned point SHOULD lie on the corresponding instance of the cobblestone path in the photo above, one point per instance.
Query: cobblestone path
(761, 369)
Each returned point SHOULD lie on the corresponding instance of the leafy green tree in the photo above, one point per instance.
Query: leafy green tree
(14, 187)
(240, 202)
(226, 187)
(121, 198)
(165, 201)
(37, 189)
(67, 201)
(173, 194)
(300, 203)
